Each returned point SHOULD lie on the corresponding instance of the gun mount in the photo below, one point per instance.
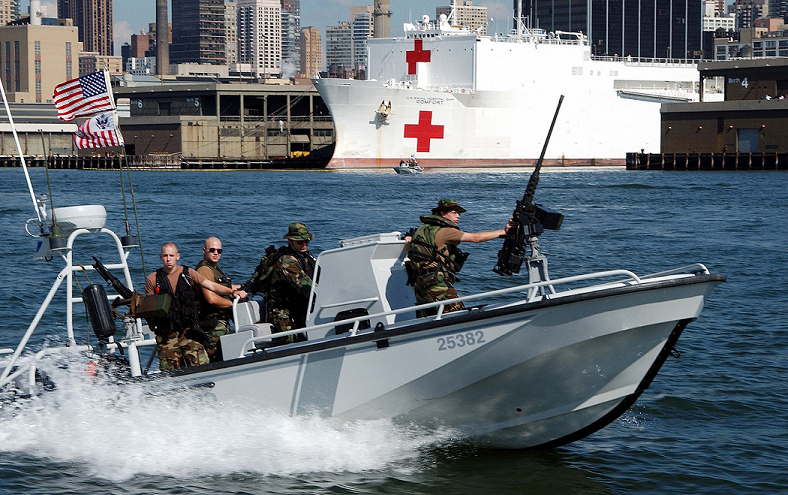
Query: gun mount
(530, 221)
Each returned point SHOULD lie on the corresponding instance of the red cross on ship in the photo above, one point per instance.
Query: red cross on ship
(424, 131)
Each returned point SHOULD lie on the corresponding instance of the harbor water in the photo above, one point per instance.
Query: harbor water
(713, 420)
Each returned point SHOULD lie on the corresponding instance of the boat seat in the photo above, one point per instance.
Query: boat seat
(259, 330)
(233, 343)
(249, 313)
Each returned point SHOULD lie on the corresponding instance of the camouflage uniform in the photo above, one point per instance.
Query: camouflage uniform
(216, 319)
(173, 337)
(175, 347)
(288, 286)
(435, 269)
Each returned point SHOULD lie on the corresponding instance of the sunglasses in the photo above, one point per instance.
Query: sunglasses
(215, 250)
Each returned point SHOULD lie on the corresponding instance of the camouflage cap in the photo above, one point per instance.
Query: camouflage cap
(297, 231)
(447, 205)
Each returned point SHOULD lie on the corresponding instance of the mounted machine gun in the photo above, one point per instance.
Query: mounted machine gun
(530, 220)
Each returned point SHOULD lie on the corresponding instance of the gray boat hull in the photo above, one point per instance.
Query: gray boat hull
(515, 376)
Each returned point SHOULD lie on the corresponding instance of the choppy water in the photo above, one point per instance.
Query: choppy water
(713, 421)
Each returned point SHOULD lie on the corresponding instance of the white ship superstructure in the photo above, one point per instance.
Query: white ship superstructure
(450, 97)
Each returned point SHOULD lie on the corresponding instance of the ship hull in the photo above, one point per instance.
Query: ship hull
(476, 102)
(483, 129)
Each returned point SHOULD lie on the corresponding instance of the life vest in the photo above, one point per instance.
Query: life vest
(184, 309)
(207, 311)
(424, 254)
(280, 292)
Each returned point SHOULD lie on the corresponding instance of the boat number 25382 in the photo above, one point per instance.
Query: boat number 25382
(461, 340)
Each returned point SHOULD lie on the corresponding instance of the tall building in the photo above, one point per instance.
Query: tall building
(231, 32)
(311, 51)
(198, 32)
(9, 11)
(748, 11)
(93, 18)
(34, 59)
(713, 20)
(291, 31)
(472, 18)
(141, 45)
(90, 62)
(260, 36)
(339, 49)
(637, 28)
(362, 20)
(778, 8)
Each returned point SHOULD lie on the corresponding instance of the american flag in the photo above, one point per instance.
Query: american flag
(84, 96)
(99, 131)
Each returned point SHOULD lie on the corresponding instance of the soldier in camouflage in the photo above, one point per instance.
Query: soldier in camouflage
(435, 256)
(291, 283)
(176, 340)
(215, 310)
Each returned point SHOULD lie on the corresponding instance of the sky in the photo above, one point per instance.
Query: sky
(130, 16)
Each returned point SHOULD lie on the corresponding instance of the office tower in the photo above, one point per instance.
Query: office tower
(291, 31)
(260, 36)
(472, 18)
(9, 11)
(637, 28)
(382, 19)
(198, 32)
(93, 19)
(311, 51)
(339, 51)
(35, 58)
(778, 9)
(362, 26)
(231, 32)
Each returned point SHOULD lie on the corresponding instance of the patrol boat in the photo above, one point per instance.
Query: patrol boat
(536, 364)
(408, 167)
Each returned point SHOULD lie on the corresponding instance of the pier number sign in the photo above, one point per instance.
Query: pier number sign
(734, 80)
(749, 88)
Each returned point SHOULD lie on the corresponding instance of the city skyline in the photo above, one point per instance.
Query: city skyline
(131, 16)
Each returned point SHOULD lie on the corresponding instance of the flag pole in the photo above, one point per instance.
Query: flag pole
(125, 159)
(22, 158)
(134, 205)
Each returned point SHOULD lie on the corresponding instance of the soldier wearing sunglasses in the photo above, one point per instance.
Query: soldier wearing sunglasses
(215, 309)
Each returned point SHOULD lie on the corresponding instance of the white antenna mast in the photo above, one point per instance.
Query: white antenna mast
(519, 18)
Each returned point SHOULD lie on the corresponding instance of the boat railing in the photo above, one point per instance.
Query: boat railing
(627, 277)
(648, 61)
(531, 290)
(540, 36)
(67, 274)
(695, 268)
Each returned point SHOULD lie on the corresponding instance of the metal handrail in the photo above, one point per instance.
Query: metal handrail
(67, 273)
(630, 277)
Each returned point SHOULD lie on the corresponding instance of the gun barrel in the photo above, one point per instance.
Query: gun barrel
(528, 197)
(121, 289)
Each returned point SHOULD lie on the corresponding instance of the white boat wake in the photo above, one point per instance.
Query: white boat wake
(118, 434)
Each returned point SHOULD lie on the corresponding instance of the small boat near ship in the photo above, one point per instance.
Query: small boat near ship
(410, 166)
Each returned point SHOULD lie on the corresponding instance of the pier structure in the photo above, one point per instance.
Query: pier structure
(707, 161)
(216, 122)
(752, 119)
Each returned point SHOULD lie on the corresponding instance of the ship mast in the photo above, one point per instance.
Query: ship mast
(452, 20)
(519, 18)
